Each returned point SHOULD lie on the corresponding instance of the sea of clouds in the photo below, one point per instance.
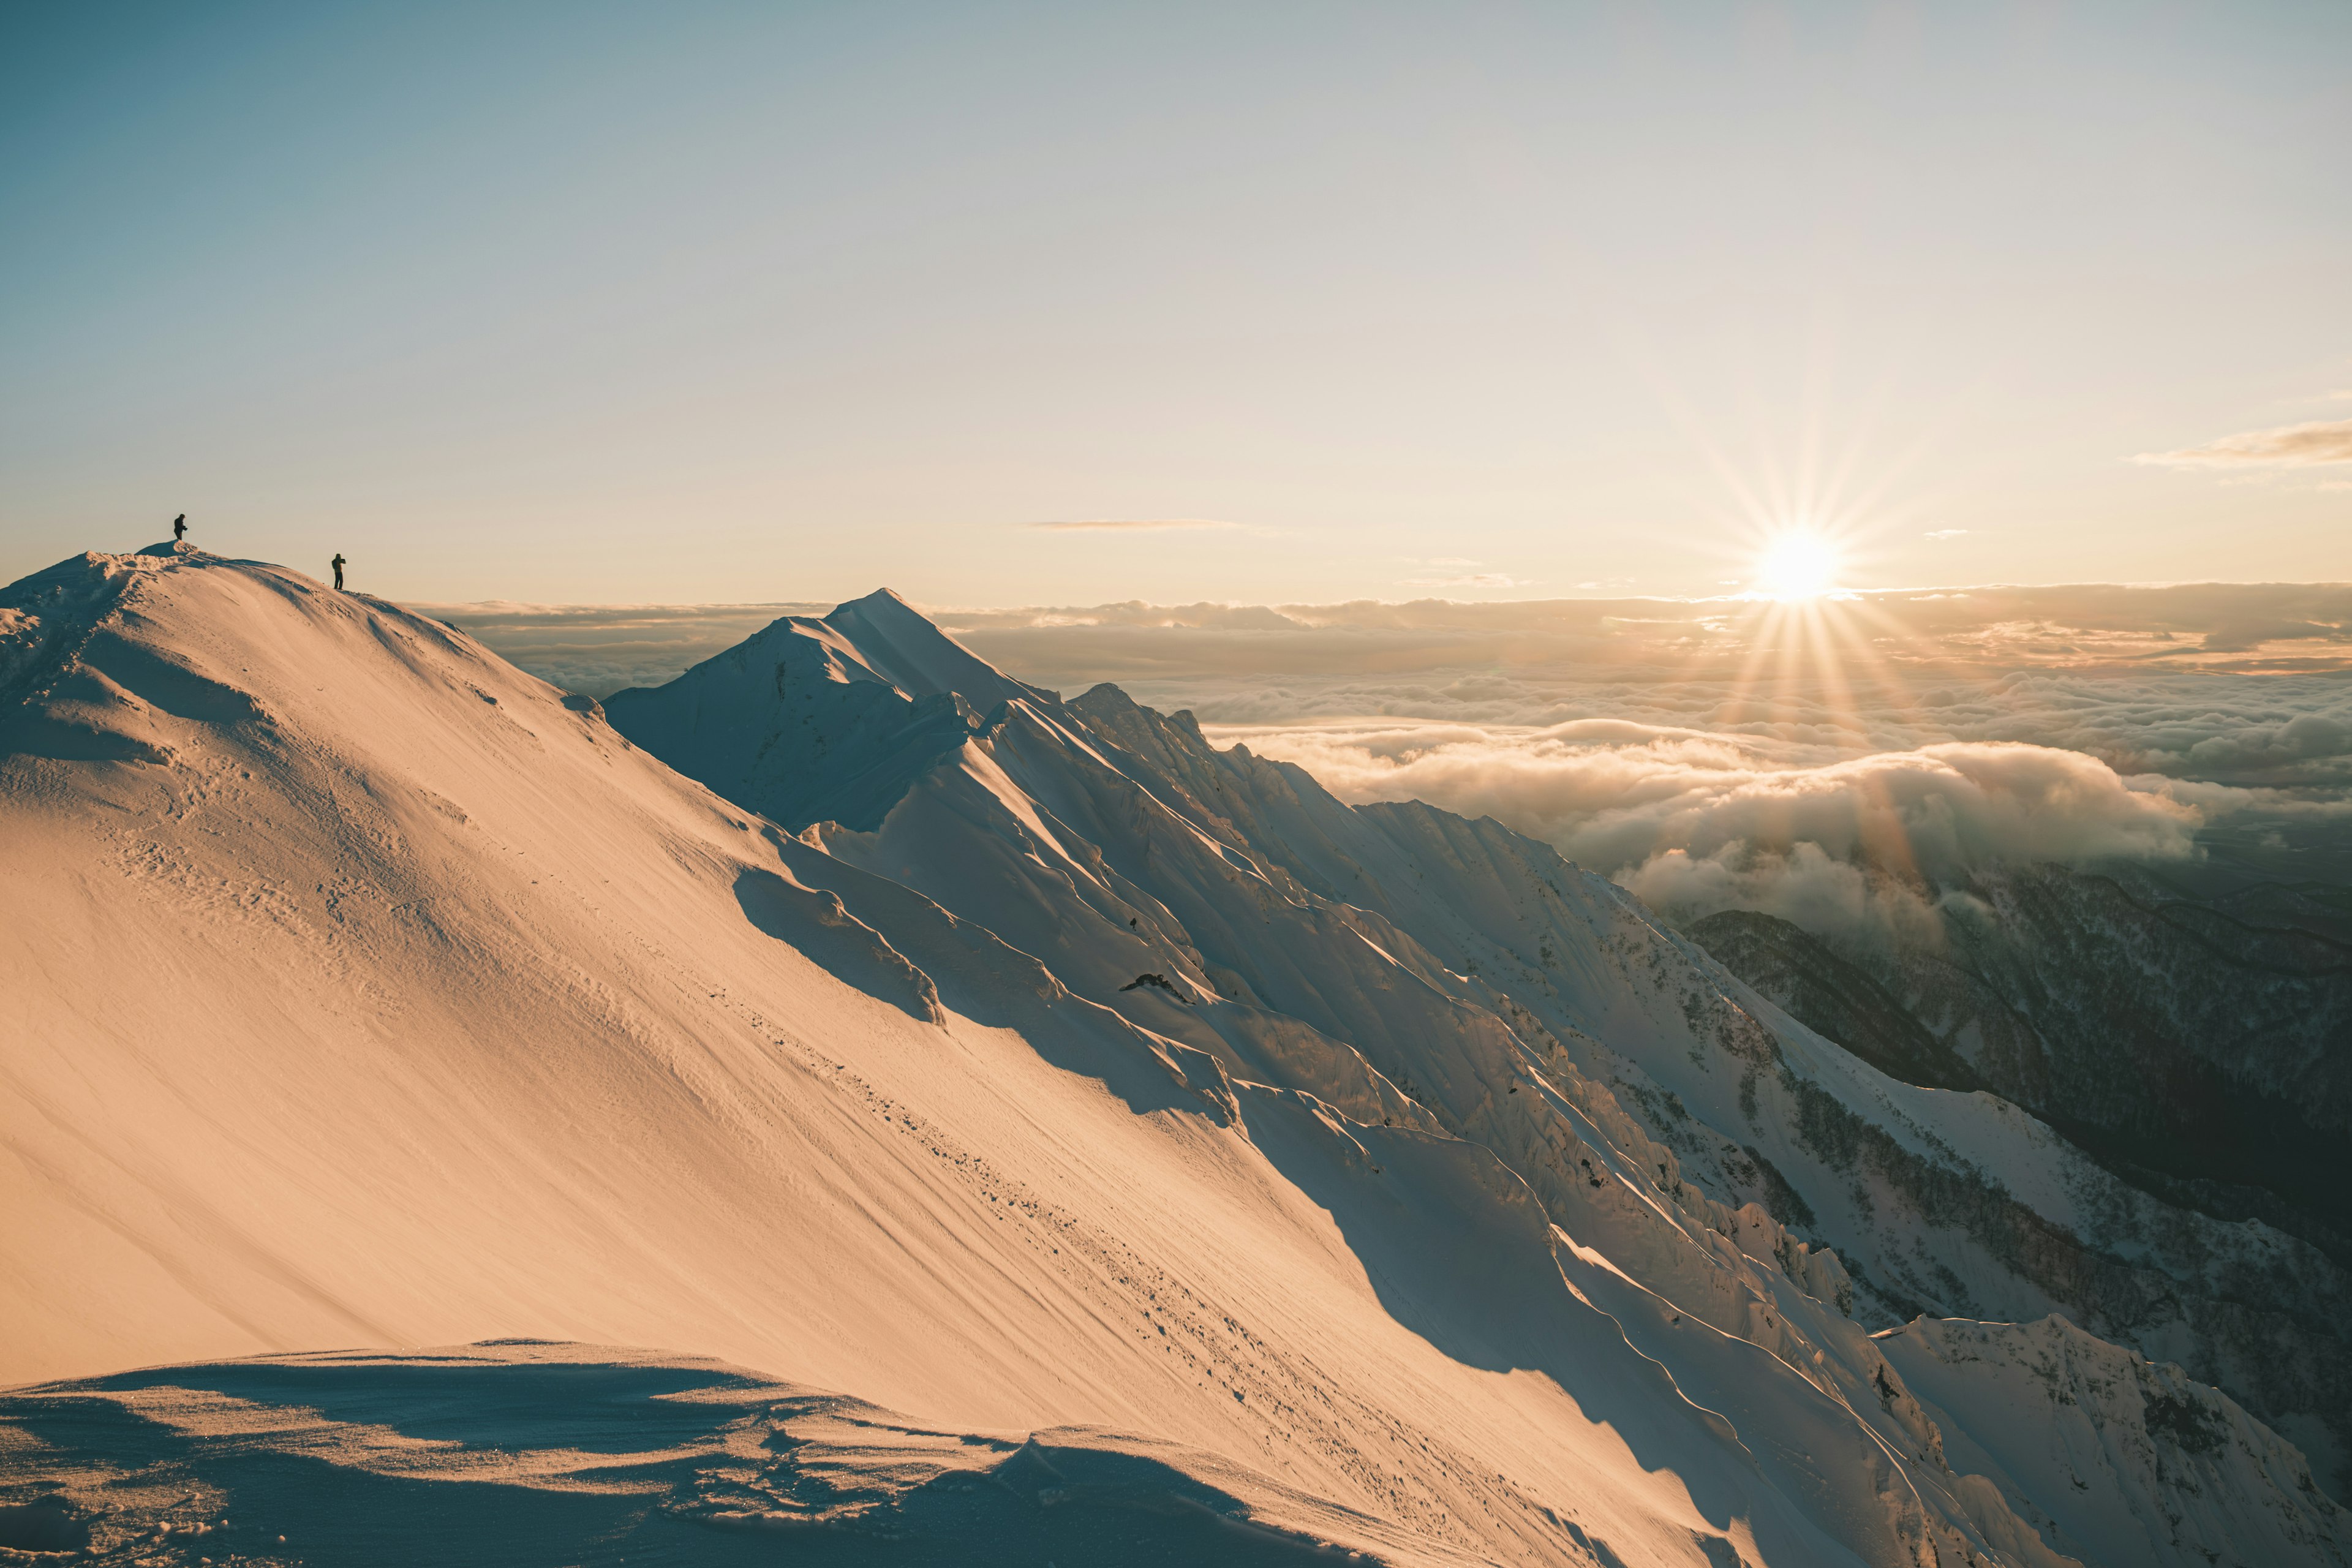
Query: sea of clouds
(1847, 766)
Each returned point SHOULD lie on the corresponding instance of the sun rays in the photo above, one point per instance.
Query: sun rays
(1797, 564)
(1812, 641)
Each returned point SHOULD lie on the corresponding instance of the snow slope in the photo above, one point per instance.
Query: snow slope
(2140, 1458)
(367, 991)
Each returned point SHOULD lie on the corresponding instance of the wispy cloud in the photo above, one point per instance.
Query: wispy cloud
(1128, 525)
(2288, 446)
(1944, 533)
(1454, 571)
(1467, 580)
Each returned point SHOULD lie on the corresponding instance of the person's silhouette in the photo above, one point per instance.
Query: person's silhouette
(179, 527)
(338, 564)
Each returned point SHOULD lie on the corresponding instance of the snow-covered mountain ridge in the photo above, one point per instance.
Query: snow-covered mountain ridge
(1255, 890)
(1427, 1183)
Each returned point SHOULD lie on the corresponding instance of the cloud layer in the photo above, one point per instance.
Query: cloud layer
(1129, 525)
(2288, 446)
(1241, 657)
(1696, 821)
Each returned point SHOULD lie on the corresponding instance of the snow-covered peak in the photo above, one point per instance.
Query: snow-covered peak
(824, 720)
(901, 645)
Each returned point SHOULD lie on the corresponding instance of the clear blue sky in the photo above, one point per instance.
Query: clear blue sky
(708, 302)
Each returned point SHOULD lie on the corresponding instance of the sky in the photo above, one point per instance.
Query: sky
(1028, 305)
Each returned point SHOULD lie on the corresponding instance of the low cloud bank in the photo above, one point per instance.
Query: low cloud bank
(1613, 796)
(1909, 635)
(1211, 652)
(1129, 525)
(1694, 822)
(2278, 731)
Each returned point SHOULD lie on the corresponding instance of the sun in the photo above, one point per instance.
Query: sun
(1797, 566)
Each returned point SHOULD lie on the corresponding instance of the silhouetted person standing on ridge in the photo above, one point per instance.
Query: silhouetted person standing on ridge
(338, 564)
(179, 527)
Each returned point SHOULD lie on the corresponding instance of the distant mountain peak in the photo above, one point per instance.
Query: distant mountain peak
(906, 648)
(824, 720)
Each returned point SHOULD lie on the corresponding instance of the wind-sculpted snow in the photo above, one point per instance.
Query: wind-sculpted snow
(1366, 1179)
(528, 1449)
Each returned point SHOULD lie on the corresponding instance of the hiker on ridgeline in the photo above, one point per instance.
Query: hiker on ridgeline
(179, 527)
(338, 564)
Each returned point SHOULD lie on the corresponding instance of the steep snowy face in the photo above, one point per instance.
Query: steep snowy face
(817, 721)
(1400, 962)
(901, 646)
(2133, 1462)
(349, 934)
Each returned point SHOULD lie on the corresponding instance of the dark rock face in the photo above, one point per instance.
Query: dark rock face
(2202, 1055)
(1840, 999)
(2175, 1034)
